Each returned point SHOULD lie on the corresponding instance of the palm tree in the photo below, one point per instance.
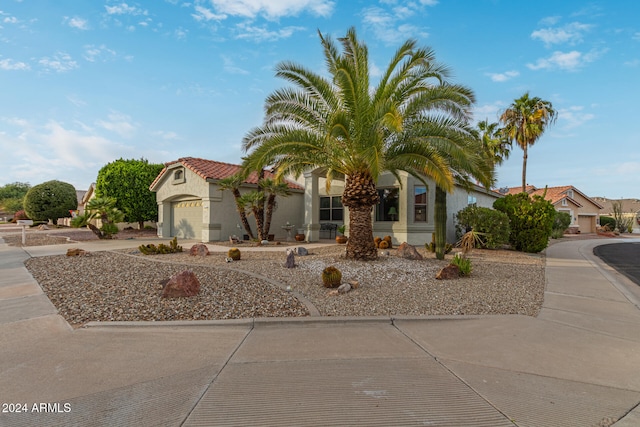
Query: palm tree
(496, 145)
(272, 188)
(104, 209)
(232, 183)
(525, 120)
(414, 120)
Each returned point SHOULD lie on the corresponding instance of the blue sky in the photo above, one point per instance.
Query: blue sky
(84, 83)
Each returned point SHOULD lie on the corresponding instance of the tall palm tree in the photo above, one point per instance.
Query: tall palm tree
(272, 188)
(525, 120)
(414, 120)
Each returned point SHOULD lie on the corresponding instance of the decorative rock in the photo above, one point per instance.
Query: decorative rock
(43, 227)
(333, 292)
(300, 251)
(75, 252)
(449, 272)
(354, 284)
(228, 259)
(199, 249)
(183, 284)
(291, 260)
(407, 251)
(344, 288)
(264, 242)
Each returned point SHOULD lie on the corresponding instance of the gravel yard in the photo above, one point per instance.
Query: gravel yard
(125, 285)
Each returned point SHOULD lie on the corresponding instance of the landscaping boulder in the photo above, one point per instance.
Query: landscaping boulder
(291, 260)
(183, 284)
(199, 249)
(300, 251)
(407, 251)
(76, 252)
(449, 272)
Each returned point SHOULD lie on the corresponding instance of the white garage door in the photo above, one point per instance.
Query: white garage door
(186, 219)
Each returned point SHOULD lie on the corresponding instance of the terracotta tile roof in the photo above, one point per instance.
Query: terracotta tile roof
(555, 194)
(213, 170)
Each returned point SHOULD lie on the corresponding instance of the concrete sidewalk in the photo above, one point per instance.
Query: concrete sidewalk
(576, 364)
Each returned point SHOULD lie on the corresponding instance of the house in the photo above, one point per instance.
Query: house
(584, 211)
(630, 208)
(191, 204)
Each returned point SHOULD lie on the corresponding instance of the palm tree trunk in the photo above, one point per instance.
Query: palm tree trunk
(441, 222)
(242, 213)
(360, 245)
(524, 168)
(258, 214)
(271, 203)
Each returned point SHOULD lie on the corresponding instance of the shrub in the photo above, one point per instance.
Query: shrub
(608, 221)
(331, 277)
(463, 263)
(531, 220)
(50, 200)
(557, 234)
(561, 222)
(492, 225)
(234, 254)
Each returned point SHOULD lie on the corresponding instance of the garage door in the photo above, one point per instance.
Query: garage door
(186, 219)
(587, 223)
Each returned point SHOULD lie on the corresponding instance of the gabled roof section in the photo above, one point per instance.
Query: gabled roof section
(628, 205)
(555, 194)
(517, 190)
(211, 170)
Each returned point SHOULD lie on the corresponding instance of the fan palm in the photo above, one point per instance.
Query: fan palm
(414, 120)
(525, 120)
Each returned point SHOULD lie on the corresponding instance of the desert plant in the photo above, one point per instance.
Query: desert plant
(470, 240)
(331, 277)
(383, 244)
(431, 247)
(377, 241)
(463, 263)
(104, 209)
(557, 233)
(152, 249)
(388, 240)
(234, 254)
(562, 221)
(492, 225)
(623, 222)
(342, 229)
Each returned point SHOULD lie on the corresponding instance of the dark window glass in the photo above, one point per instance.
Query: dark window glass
(388, 209)
(420, 203)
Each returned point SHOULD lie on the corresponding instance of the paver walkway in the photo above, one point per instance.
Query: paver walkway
(573, 365)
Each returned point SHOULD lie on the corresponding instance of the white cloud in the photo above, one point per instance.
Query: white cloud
(118, 123)
(272, 9)
(60, 62)
(125, 9)
(488, 111)
(166, 135)
(10, 20)
(503, 77)
(573, 117)
(386, 27)
(230, 67)
(181, 33)
(632, 63)
(571, 33)
(100, 53)
(260, 34)
(569, 61)
(204, 14)
(78, 23)
(10, 64)
(636, 36)
(550, 20)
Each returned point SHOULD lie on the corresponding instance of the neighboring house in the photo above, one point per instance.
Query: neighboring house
(79, 210)
(584, 211)
(191, 204)
(88, 195)
(630, 208)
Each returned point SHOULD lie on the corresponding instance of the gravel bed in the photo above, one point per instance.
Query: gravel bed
(125, 285)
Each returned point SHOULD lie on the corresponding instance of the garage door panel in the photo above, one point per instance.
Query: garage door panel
(186, 219)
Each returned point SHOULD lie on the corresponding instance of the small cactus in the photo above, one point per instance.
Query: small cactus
(234, 254)
(377, 241)
(383, 244)
(388, 240)
(331, 277)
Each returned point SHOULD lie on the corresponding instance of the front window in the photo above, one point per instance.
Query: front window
(388, 209)
(331, 208)
(471, 200)
(420, 203)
